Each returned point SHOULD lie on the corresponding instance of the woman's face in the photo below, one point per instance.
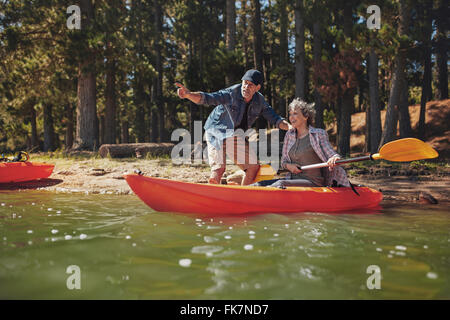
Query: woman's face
(296, 118)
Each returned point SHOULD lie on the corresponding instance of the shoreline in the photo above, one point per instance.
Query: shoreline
(105, 176)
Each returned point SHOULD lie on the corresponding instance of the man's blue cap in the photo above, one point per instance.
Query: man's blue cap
(254, 76)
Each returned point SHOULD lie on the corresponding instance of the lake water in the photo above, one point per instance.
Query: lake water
(121, 249)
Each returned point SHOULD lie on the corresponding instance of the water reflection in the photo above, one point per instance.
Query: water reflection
(126, 250)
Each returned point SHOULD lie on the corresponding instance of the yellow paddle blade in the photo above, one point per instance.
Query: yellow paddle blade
(265, 172)
(407, 149)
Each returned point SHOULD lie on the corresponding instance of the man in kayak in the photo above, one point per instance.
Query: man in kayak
(304, 145)
(237, 107)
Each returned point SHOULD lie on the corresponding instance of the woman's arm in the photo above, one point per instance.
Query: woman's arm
(284, 153)
(270, 115)
(330, 153)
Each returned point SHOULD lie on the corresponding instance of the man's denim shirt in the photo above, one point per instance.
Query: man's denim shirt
(230, 110)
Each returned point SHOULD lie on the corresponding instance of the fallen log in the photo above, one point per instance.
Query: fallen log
(126, 150)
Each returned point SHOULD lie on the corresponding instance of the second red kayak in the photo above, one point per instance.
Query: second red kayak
(184, 197)
(11, 172)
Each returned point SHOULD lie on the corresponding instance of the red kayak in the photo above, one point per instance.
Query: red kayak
(24, 171)
(184, 197)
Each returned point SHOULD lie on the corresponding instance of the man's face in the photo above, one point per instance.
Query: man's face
(248, 89)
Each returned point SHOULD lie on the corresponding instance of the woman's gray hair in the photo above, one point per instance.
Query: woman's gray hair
(307, 109)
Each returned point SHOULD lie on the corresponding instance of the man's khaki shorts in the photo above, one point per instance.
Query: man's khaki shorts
(236, 148)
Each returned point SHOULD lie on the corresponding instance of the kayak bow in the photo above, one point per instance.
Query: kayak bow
(24, 171)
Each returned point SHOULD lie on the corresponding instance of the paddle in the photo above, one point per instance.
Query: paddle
(402, 150)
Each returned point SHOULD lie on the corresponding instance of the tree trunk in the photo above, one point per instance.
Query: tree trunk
(360, 97)
(441, 50)
(257, 36)
(231, 25)
(148, 103)
(69, 127)
(345, 122)
(159, 69)
(337, 109)
(101, 129)
(268, 85)
(404, 118)
(391, 118)
(284, 44)
(398, 98)
(49, 130)
(347, 19)
(154, 121)
(110, 103)
(374, 124)
(34, 135)
(139, 120)
(125, 137)
(140, 126)
(86, 133)
(317, 52)
(244, 33)
(284, 57)
(97, 130)
(153, 114)
(384, 87)
(273, 102)
(162, 122)
(306, 81)
(299, 50)
(367, 133)
(348, 103)
(230, 32)
(426, 84)
(426, 93)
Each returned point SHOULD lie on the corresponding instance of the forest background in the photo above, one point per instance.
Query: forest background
(112, 79)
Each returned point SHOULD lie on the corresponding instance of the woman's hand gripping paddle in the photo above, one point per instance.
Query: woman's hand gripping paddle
(402, 150)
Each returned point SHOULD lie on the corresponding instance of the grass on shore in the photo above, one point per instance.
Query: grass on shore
(418, 167)
(64, 160)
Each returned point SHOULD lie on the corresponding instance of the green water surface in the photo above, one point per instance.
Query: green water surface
(125, 250)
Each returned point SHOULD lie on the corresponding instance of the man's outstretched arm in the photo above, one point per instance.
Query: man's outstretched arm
(270, 115)
(184, 93)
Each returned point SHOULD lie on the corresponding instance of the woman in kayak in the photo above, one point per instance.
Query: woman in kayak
(304, 145)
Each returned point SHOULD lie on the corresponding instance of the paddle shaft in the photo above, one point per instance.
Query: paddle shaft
(324, 164)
